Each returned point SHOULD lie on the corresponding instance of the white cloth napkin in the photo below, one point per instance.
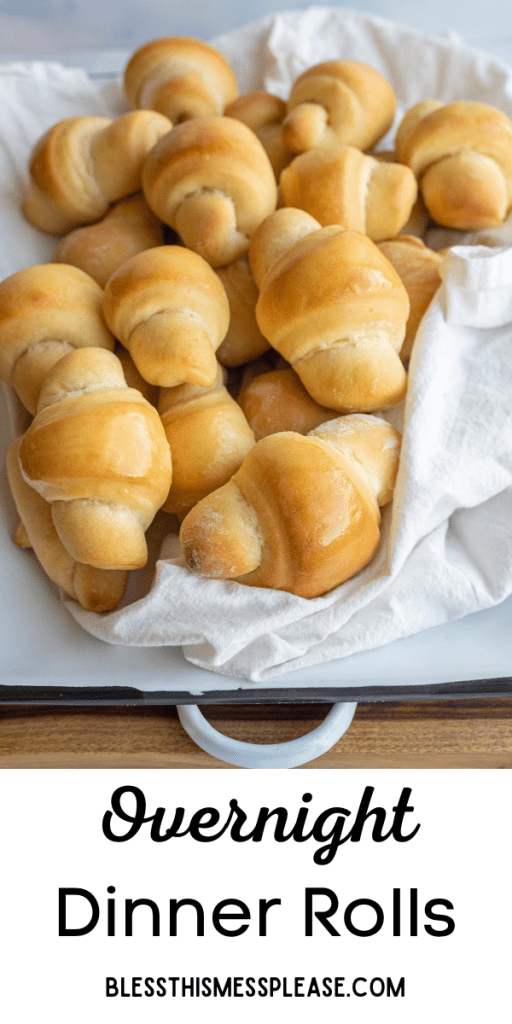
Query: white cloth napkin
(446, 545)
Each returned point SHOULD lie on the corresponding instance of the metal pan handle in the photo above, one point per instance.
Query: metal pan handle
(266, 755)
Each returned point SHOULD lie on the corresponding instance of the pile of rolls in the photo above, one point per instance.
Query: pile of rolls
(233, 300)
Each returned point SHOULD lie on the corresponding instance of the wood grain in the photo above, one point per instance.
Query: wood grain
(415, 734)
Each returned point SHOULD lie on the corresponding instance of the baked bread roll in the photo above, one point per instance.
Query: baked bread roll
(209, 438)
(239, 377)
(244, 340)
(334, 308)
(461, 153)
(302, 513)
(341, 185)
(133, 378)
(179, 77)
(264, 114)
(97, 590)
(211, 180)
(97, 452)
(338, 102)
(99, 249)
(418, 268)
(46, 311)
(419, 218)
(277, 400)
(83, 164)
(169, 309)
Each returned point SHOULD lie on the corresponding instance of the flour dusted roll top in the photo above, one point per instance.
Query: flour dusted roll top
(211, 180)
(169, 309)
(334, 308)
(180, 77)
(302, 513)
(45, 312)
(97, 451)
(338, 102)
(83, 164)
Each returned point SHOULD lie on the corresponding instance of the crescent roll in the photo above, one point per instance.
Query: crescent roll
(334, 308)
(97, 451)
(461, 153)
(418, 268)
(209, 438)
(211, 180)
(46, 311)
(341, 185)
(97, 590)
(99, 249)
(169, 309)
(83, 164)
(264, 114)
(302, 514)
(338, 102)
(179, 77)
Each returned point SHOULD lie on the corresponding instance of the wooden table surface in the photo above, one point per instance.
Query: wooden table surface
(414, 734)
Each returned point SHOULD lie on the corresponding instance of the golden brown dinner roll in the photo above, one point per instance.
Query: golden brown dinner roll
(83, 164)
(419, 218)
(209, 438)
(338, 102)
(97, 451)
(244, 340)
(211, 180)
(461, 153)
(302, 513)
(179, 77)
(99, 249)
(133, 377)
(334, 308)
(46, 311)
(277, 400)
(264, 114)
(418, 267)
(97, 590)
(169, 309)
(341, 185)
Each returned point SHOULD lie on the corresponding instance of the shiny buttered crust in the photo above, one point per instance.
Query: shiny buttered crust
(169, 309)
(179, 77)
(211, 180)
(336, 310)
(461, 153)
(82, 164)
(46, 311)
(300, 514)
(338, 102)
(97, 450)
